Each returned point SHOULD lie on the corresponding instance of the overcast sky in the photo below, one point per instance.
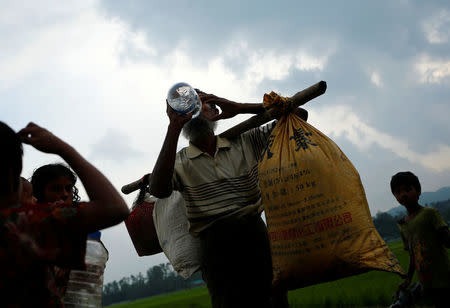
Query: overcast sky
(96, 73)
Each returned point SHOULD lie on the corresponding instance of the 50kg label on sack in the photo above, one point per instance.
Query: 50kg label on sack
(294, 217)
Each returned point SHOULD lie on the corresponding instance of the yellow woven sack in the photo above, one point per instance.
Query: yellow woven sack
(318, 219)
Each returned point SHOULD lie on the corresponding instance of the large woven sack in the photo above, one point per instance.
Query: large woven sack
(318, 219)
(141, 228)
(172, 227)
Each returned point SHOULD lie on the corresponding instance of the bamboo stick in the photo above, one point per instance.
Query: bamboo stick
(298, 99)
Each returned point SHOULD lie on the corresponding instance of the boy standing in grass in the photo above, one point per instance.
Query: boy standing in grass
(425, 236)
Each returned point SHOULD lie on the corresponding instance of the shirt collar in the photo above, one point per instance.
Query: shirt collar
(192, 151)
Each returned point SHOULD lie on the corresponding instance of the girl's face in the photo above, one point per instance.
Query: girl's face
(59, 190)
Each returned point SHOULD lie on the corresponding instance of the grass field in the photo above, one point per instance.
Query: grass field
(372, 289)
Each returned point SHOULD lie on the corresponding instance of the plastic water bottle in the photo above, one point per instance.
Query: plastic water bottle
(184, 99)
(85, 287)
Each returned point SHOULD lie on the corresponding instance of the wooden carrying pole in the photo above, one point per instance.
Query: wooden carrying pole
(298, 99)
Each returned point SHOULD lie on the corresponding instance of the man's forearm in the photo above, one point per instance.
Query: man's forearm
(161, 179)
(254, 108)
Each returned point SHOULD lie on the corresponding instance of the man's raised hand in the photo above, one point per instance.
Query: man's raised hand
(176, 119)
(229, 108)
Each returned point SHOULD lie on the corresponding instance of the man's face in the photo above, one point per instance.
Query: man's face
(406, 195)
(202, 125)
(209, 111)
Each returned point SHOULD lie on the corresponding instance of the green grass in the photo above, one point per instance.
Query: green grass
(193, 298)
(372, 289)
(369, 289)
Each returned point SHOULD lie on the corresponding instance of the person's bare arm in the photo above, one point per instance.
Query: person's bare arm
(229, 108)
(161, 179)
(106, 207)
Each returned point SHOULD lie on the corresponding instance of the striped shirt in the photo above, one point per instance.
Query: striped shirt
(224, 185)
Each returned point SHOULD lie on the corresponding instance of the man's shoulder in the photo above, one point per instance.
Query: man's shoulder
(181, 153)
(181, 157)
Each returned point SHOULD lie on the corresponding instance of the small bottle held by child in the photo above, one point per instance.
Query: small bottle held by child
(85, 287)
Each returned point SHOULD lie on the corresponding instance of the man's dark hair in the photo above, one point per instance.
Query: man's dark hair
(47, 173)
(405, 178)
(10, 160)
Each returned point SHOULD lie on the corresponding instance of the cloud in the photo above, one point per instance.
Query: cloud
(432, 70)
(114, 146)
(437, 27)
(308, 62)
(341, 121)
(276, 65)
(376, 79)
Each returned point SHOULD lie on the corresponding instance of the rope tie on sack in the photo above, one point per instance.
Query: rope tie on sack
(273, 100)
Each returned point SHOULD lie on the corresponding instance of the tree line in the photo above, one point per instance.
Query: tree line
(387, 226)
(159, 279)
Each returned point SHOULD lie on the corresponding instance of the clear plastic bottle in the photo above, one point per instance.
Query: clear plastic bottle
(184, 99)
(85, 287)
